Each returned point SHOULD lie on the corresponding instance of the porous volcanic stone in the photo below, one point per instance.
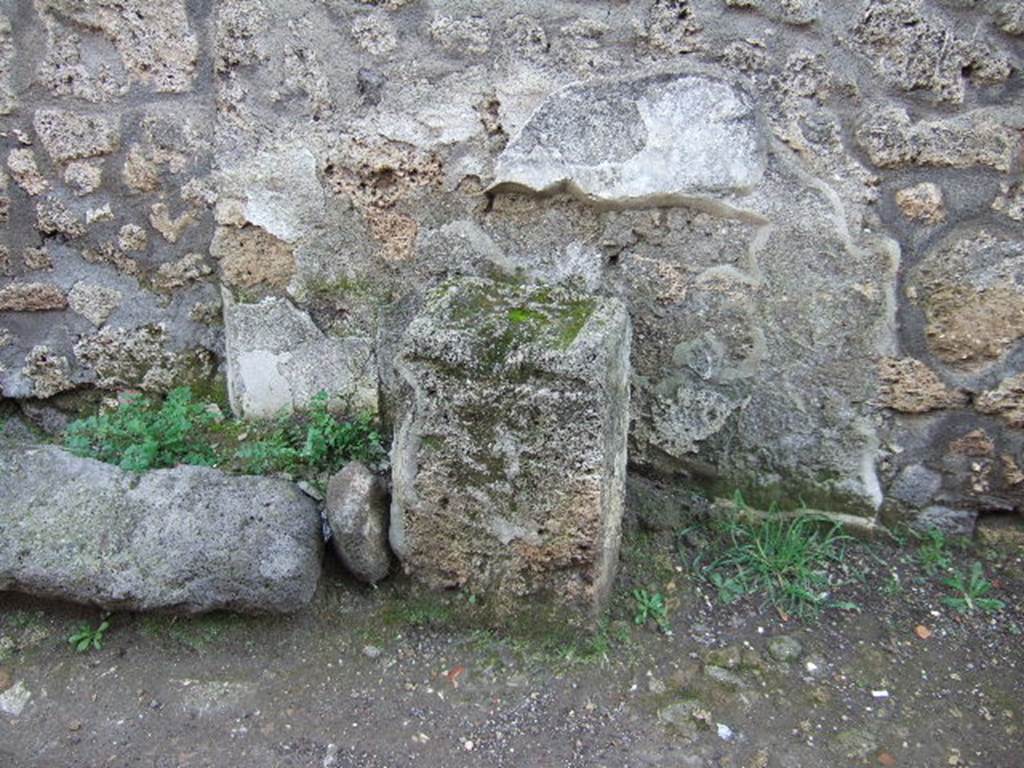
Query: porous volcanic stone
(510, 447)
(190, 539)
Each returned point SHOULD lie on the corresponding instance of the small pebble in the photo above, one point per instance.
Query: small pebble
(785, 648)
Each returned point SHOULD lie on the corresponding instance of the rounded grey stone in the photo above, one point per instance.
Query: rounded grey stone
(357, 511)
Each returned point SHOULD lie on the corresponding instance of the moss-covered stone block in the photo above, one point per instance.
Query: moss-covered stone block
(510, 444)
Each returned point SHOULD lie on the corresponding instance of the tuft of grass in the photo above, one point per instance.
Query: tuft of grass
(142, 434)
(88, 638)
(789, 561)
(933, 552)
(565, 649)
(419, 610)
(971, 592)
(195, 632)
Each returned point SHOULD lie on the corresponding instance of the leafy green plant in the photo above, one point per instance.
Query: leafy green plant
(650, 606)
(788, 560)
(87, 637)
(933, 552)
(142, 434)
(971, 590)
(319, 444)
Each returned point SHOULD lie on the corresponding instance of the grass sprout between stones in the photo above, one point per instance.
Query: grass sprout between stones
(933, 552)
(650, 606)
(971, 590)
(787, 560)
(88, 638)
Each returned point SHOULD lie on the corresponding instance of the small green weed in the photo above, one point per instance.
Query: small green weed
(788, 560)
(196, 632)
(650, 606)
(893, 586)
(87, 638)
(419, 609)
(933, 552)
(319, 444)
(142, 434)
(971, 591)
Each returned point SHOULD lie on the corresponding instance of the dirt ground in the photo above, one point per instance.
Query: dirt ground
(391, 677)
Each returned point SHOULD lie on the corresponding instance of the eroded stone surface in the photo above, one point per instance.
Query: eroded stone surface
(1006, 401)
(25, 172)
(646, 141)
(913, 50)
(971, 290)
(981, 137)
(72, 136)
(509, 452)
(922, 202)
(910, 386)
(278, 360)
(94, 302)
(250, 257)
(189, 539)
(798, 12)
(137, 357)
(31, 297)
(154, 43)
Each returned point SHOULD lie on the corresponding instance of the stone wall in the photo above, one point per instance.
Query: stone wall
(813, 212)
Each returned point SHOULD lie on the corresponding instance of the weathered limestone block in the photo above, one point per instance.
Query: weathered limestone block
(971, 288)
(763, 282)
(915, 50)
(153, 40)
(1010, 201)
(985, 137)
(250, 257)
(922, 202)
(909, 386)
(652, 140)
(510, 445)
(70, 136)
(1006, 400)
(31, 297)
(278, 360)
(8, 100)
(96, 303)
(25, 172)
(47, 372)
(190, 539)
(140, 357)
